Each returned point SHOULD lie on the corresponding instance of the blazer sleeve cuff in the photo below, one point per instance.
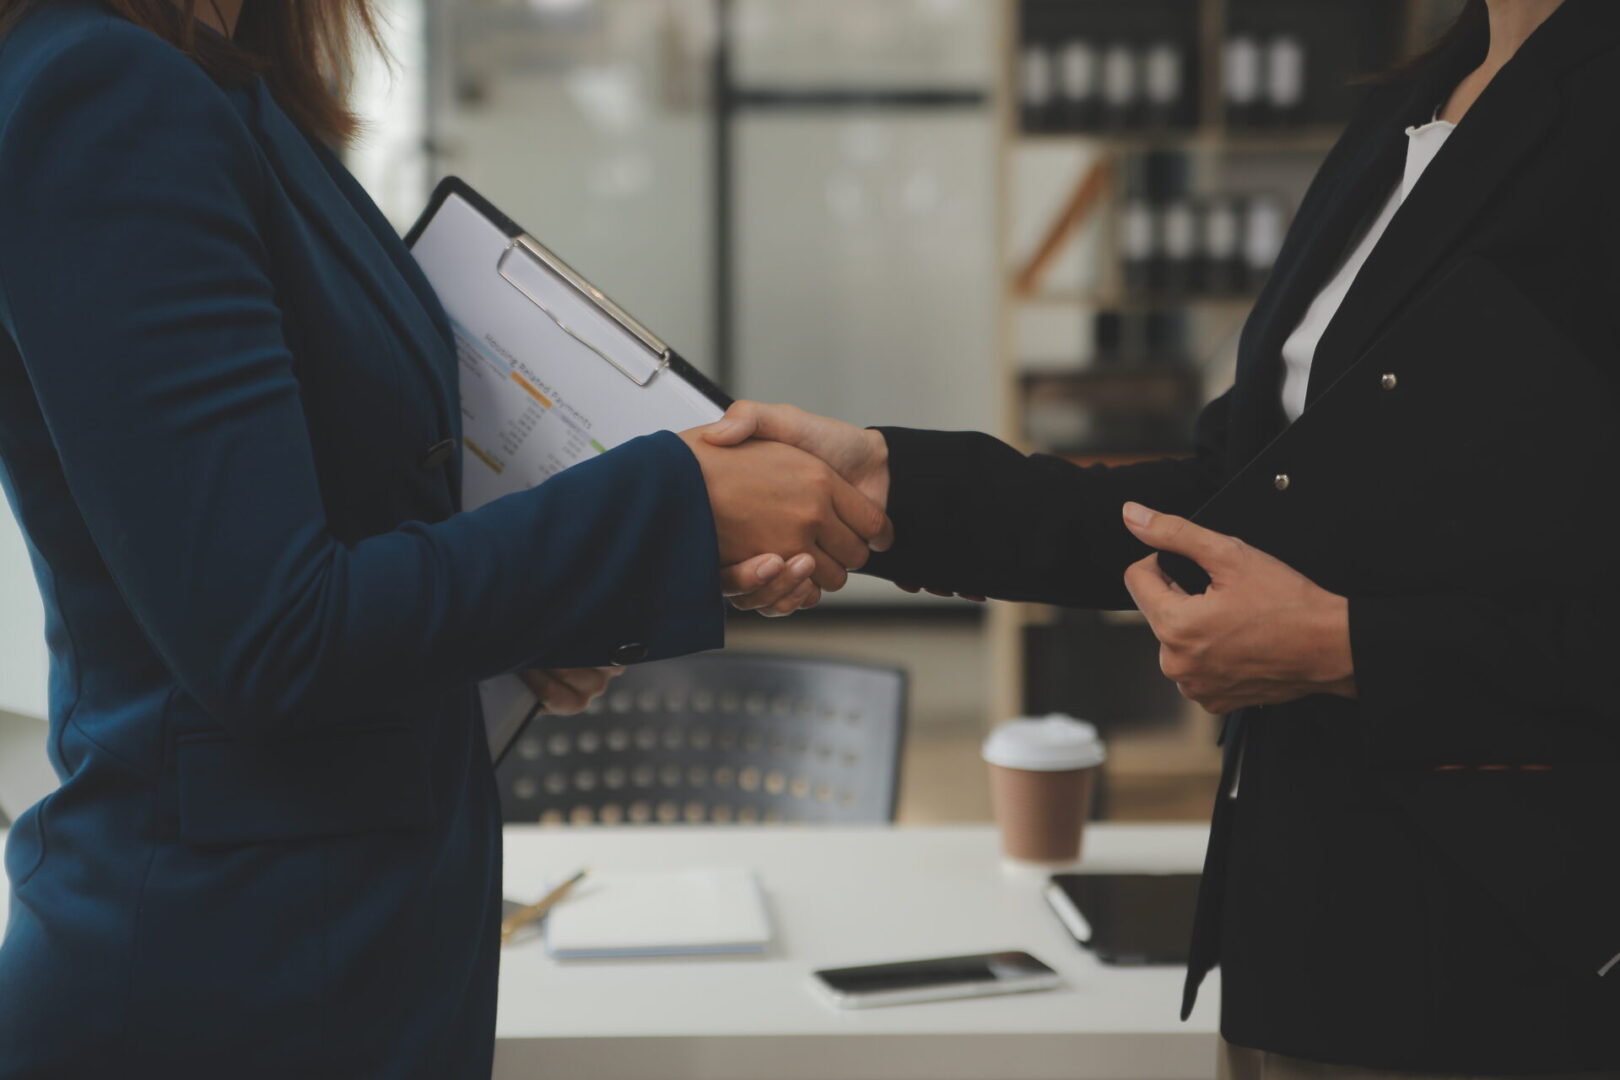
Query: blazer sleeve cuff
(674, 604)
(679, 609)
(925, 489)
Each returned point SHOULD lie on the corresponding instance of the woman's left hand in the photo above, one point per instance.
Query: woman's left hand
(566, 691)
(1261, 634)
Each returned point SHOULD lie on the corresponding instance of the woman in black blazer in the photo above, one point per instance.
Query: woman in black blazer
(1412, 862)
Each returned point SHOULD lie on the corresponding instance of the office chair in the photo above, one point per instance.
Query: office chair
(718, 738)
(26, 775)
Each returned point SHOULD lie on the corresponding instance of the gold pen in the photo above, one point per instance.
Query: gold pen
(524, 916)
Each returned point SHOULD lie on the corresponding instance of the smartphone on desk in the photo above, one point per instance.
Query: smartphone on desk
(934, 980)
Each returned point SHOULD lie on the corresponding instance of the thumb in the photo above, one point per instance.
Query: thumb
(1167, 532)
(1151, 589)
(740, 424)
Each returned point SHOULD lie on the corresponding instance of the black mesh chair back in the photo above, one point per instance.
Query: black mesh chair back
(718, 738)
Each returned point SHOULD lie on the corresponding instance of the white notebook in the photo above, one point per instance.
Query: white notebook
(660, 913)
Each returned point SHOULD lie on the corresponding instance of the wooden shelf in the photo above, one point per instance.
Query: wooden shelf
(1170, 770)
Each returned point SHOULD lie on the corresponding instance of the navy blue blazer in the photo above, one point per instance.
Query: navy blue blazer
(275, 851)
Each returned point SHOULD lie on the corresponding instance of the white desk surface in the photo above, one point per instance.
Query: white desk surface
(843, 896)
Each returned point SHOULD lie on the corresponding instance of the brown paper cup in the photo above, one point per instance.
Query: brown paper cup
(1042, 814)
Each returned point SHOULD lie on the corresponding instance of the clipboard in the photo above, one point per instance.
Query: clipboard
(552, 372)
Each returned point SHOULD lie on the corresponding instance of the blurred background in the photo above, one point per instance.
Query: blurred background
(1046, 219)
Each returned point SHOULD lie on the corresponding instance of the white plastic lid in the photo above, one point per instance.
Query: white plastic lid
(1054, 743)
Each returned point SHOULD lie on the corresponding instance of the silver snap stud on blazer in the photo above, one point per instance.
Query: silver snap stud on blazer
(1281, 481)
(1388, 380)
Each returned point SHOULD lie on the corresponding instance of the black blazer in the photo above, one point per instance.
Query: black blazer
(1365, 907)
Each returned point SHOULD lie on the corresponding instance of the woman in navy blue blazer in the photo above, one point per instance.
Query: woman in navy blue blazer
(227, 421)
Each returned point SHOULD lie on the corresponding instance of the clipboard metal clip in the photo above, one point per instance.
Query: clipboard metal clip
(592, 295)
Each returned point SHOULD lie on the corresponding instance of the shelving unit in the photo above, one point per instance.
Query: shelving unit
(1164, 764)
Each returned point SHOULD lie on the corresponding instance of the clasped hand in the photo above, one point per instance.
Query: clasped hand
(790, 521)
(788, 524)
(798, 502)
(859, 456)
(1261, 634)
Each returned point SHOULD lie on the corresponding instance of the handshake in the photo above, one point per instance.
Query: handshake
(798, 502)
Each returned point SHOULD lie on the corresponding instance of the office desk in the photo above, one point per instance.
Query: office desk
(846, 896)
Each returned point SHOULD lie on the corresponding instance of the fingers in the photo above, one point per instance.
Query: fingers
(567, 691)
(789, 583)
(864, 517)
(538, 683)
(746, 577)
(807, 595)
(1152, 590)
(563, 697)
(834, 533)
(829, 575)
(940, 592)
(1210, 550)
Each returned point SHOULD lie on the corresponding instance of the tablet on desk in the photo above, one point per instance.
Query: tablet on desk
(1128, 919)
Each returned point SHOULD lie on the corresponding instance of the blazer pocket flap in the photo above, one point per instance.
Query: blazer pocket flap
(367, 780)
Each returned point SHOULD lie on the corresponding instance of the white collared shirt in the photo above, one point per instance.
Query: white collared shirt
(1422, 144)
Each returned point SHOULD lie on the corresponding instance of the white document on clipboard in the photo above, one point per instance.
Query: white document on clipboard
(552, 372)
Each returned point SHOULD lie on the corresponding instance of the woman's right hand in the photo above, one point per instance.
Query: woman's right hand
(771, 498)
(860, 456)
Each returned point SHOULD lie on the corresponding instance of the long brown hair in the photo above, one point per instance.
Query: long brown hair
(1473, 15)
(303, 48)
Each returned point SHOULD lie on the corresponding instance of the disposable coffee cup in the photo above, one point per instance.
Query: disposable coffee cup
(1042, 774)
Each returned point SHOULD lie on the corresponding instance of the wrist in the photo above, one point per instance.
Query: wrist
(701, 453)
(1330, 667)
(875, 480)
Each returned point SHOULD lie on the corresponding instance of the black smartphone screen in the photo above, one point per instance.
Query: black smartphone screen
(922, 974)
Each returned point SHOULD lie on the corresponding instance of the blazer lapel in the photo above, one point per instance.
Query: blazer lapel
(389, 239)
(1321, 239)
(1500, 129)
(312, 186)
(1509, 120)
(1352, 182)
